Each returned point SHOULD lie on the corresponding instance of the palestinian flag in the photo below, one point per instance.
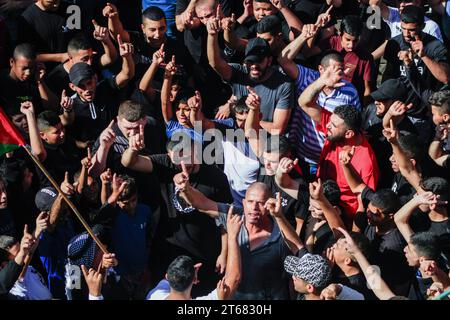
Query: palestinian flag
(10, 138)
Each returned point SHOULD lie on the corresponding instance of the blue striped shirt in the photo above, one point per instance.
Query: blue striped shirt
(306, 140)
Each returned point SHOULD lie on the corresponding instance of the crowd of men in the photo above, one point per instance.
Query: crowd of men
(226, 149)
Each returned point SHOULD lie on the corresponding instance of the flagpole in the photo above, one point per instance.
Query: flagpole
(68, 201)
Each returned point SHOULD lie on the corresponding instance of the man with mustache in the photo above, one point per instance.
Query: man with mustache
(274, 88)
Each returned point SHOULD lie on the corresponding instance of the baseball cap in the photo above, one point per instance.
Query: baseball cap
(257, 49)
(44, 198)
(312, 268)
(390, 89)
(79, 72)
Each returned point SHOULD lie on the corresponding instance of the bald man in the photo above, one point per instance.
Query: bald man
(263, 248)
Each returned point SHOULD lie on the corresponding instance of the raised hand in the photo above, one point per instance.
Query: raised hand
(195, 102)
(187, 18)
(253, 101)
(248, 8)
(109, 260)
(27, 108)
(228, 22)
(316, 190)
(234, 223)
(331, 292)
(428, 198)
(391, 133)
(277, 4)
(136, 141)
(349, 244)
(108, 136)
(286, 165)
(117, 188)
(441, 132)
(40, 72)
(324, 18)
(346, 155)
(406, 56)
(42, 222)
(171, 68)
(66, 187)
(110, 11)
(66, 102)
(94, 280)
(126, 49)
(159, 55)
(225, 110)
(332, 77)
(87, 162)
(223, 291)
(27, 242)
(181, 180)
(214, 25)
(398, 108)
(309, 31)
(106, 177)
(100, 33)
(329, 255)
(417, 47)
(274, 206)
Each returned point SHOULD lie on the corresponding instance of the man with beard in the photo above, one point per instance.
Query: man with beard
(343, 131)
(415, 51)
(272, 86)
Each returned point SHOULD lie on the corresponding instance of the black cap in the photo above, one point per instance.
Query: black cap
(44, 198)
(392, 89)
(80, 71)
(257, 49)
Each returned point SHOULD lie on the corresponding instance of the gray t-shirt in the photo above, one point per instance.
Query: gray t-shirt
(275, 92)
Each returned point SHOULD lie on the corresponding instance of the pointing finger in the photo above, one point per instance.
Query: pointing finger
(173, 59)
(119, 40)
(89, 152)
(95, 23)
(66, 177)
(329, 9)
(183, 168)
(111, 124)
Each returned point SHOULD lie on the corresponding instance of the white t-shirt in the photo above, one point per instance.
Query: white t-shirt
(431, 27)
(162, 290)
(241, 166)
(32, 287)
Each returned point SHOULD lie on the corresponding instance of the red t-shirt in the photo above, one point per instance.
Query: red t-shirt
(359, 62)
(364, 162)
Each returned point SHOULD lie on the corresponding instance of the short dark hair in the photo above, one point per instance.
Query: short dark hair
(351, 116)
(240, 106)
(329, 55)
(47, 119)
(413, 14)
(438, 98)
(130, 189)
(283, 147)
(426, 245)
(332, 192)
(351, 25)
(131, 110)
(362, 242)
(437, 185)
(183, 96)
(78, 43)
(271, 24)
(411, 146)
(445, 108)
(153, 13)
(386, 200)
(181, 273)
(25, 50)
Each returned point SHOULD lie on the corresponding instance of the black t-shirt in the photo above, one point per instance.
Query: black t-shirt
(387, 253)
(58, 80)
(433, 49)
(292, 208)
(308, 10)
(402, 188)
(14, 92)
(60, 159)
(357, 282)
(143, 57)
(147, 183)
(92, 117)
(46, 30)
(195, 232)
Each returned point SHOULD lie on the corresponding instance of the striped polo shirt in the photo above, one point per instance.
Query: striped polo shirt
(307, 142)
